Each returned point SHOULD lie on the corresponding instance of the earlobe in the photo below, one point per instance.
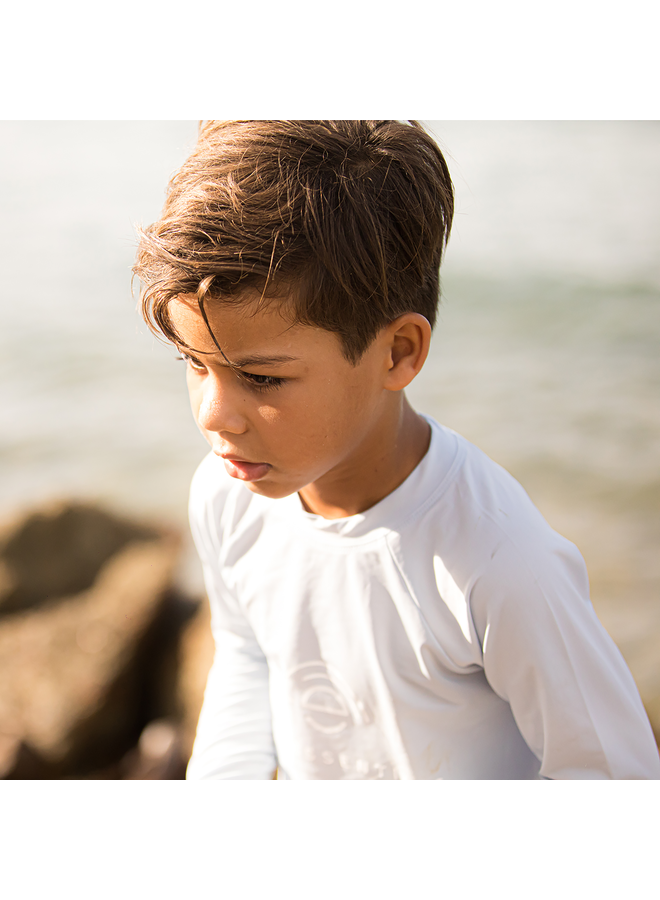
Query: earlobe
(409, 339)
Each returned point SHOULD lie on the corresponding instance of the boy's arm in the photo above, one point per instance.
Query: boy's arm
(546, 653)
(234, 736)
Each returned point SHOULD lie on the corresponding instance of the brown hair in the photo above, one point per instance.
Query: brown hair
(346, 220)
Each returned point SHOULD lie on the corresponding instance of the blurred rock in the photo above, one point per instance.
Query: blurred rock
(19, 761)
(57, 551)
(75, 667)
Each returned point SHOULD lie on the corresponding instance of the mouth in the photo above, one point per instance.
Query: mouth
(244, 470)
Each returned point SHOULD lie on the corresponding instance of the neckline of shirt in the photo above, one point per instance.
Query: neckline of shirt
(421, 488)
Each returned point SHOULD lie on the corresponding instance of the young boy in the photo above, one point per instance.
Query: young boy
(386, 601)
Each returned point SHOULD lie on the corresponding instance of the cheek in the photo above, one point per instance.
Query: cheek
(328, 422)
(269, 414)
(194, 394)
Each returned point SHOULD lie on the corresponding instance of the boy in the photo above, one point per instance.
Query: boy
(386, 601)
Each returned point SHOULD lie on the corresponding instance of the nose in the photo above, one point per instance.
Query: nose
(220, 407)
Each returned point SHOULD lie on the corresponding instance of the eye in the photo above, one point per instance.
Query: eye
(261, 382)
(192, 362)
(258, 382)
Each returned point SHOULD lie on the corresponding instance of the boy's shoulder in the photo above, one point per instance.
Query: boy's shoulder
(466, 508)
(464, 486)
(481, 549)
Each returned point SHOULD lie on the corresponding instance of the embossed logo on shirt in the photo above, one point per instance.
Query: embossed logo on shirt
(341, 739)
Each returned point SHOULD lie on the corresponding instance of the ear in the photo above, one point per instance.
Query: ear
(408, 339)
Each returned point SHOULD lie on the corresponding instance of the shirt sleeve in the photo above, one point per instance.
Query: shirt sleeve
(234, 734)
(546, 653)
(234, 737)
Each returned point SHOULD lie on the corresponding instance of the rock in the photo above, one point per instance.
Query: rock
(58, 551)
(19, 761)
(73, 667)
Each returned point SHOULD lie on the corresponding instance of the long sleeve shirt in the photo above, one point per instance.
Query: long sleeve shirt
(446, 632)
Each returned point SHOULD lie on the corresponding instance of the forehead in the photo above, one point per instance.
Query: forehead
(247, 328)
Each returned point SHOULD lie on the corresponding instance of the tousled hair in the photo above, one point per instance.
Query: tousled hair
(345, 220)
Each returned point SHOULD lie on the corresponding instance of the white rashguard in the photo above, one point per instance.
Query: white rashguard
(446, 632)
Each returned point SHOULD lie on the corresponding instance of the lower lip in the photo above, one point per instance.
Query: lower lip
(245, 471)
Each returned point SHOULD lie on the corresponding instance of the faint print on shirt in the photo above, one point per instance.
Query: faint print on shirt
(340, 737)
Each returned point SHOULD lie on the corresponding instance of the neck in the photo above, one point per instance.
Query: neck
(382, 461)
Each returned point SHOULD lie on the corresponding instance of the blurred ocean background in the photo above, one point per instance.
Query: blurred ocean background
(546, 354)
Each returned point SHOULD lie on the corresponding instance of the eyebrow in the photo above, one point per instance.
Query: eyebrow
(263, 360)
(256, 360)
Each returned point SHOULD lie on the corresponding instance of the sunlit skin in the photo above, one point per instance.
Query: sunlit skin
(293, 414)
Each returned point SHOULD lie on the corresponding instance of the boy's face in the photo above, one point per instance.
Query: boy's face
(294, 411)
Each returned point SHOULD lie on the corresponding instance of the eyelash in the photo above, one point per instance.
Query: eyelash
(257, 382)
